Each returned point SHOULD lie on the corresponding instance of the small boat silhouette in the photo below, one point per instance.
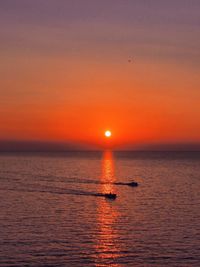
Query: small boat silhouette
(110, 195)
(132, 184)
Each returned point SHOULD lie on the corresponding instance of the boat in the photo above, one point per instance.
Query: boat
(128, 183)
(132, 184)
(110, 195)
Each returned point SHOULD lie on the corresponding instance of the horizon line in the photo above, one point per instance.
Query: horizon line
(64, 146)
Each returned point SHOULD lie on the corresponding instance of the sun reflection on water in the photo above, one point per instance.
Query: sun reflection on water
(108, 175)
(108, 245)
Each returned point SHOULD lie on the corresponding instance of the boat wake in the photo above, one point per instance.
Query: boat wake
(56, 190)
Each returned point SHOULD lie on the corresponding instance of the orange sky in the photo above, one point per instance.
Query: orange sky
(69, 79)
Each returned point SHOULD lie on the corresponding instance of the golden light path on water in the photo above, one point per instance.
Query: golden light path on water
(107, 247)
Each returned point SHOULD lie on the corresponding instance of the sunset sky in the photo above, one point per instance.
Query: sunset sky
(72, 69)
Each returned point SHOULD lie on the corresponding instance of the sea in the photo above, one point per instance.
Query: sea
(53, 211)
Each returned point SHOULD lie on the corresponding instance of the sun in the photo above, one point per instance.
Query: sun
(108, 133)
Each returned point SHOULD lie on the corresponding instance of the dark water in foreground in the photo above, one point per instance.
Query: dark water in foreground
(50, 214)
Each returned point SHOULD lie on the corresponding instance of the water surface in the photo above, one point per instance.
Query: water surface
(51, 213)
